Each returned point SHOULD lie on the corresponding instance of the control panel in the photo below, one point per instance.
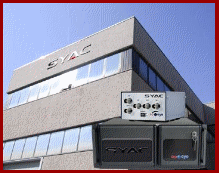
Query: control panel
(153, 105)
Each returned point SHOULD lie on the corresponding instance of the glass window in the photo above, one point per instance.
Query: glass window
(166, 88)
(7, 150)
(3, 145)
(55, 143)
(160, 84)
(96, 70)
(18, 149)
(44, 89)
(143, 70)
(152, 79)
(55, 85)
(15, 99)
(82, 75)
(113, 64)
(24, 96)
(68, 79)
(23, 165)
(42, 145)
(70, 140)
(29, 147)
(85, 142)
(34, 90)
(8, 101)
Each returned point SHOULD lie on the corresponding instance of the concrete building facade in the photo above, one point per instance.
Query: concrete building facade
(53, 101)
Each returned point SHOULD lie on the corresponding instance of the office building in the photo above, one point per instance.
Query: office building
(53, 101)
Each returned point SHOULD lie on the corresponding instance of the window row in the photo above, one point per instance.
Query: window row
(67, 141)
(148, 74)
(77, 77)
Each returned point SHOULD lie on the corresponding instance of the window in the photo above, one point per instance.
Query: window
(44, 89)
(29, 147)
(85, 142)
(15, 99)
(42, 145)
(7, 150)
(18, 149)
(8, 101)
(82, 76)
(24, 96)
(33, 164)
(55, 143)
(166, 88)
(143, 70)
(96, 70)
(160, 85)
(70, 140)
(55, 85)
(68, 79)
(113, 64)
(152, 79)
(34, 90)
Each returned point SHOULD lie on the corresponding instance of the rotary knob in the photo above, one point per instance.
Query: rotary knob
(157, 106)
(129, 100)
(147, 106)
(129, 110)
(138, 106)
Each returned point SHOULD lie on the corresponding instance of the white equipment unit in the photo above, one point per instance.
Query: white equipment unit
(153, 106)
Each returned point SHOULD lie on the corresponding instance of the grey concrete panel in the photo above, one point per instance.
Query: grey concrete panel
(152, 53)
(88, 103)
(103, 43)
(73, 161)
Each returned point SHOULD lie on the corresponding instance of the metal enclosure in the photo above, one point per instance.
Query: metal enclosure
(125, 144)
(153, 106)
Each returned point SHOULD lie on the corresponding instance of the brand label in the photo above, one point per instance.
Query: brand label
(71, 56)
(154, 95)
(180, 157)
(126, 150)
(156, 113)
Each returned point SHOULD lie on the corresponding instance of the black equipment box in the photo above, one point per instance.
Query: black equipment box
(125, 144)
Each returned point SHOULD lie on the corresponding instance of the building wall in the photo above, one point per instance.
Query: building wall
(88, 103)
(152, 53)
(72, 161)
(112, 39)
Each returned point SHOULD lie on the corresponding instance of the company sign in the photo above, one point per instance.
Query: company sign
(69, 57)
(154, 95)
(127, 150)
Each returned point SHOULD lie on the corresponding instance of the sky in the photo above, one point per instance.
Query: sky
(184, 32)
